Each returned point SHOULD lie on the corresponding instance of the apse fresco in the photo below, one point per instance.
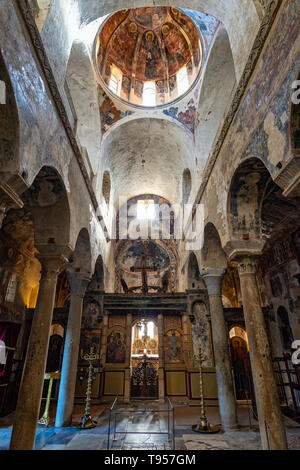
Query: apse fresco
(138, 48)
(160, 265)
(160, 254)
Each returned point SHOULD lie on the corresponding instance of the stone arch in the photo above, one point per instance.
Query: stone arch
(212, 254)
(213, 99)
(136, 148)
(9, 124)
(186, 185)
(252, 198)
(193, 273)
(48, 202)
(81, 260)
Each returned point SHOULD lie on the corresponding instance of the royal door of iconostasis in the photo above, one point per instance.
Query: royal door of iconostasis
(144, 364)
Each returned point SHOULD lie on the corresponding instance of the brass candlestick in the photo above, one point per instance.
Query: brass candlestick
(45, 419)
(87, 421)
(204, 427)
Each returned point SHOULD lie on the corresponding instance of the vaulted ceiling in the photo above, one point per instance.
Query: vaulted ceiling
(147, 151)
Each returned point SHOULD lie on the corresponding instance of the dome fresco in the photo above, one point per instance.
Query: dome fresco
(148, 56)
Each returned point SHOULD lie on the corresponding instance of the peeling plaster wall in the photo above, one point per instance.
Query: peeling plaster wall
(261, 126)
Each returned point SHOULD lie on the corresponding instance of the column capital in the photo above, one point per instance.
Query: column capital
(51, 265)
(213, 280)
(78, 283)
(246, 265)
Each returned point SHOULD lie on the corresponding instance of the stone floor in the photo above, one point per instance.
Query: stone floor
(146, 417)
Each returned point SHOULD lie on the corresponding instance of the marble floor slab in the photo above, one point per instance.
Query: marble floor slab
(150, 419)
(205, 442)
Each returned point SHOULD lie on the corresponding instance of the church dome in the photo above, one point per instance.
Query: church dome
(148, 57)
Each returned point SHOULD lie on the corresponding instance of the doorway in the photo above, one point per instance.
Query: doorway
(144, 360)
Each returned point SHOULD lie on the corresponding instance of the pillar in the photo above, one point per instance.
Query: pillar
(269, 413)
(31, 389)
(161, 375)
(213, 279)
(127, 358)
(67, 386)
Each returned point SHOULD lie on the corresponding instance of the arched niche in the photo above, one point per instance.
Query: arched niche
(48, 202)
(42, 225)
(256, 205)
(160, 255)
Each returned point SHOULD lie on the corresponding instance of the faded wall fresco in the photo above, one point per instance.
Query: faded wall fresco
(186, 112)
(261, 126)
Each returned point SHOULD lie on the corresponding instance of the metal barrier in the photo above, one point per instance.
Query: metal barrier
(114, 413)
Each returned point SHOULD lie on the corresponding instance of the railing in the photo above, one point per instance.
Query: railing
(287, 380)
(114, 413)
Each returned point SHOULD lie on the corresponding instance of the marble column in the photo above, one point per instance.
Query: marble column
(213, 279)
(31, 389)
(127, 358)
(67, 386)
(269, 413)
(161, 376)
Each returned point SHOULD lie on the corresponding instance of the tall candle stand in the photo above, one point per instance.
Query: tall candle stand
(204, 427)
(87, 421)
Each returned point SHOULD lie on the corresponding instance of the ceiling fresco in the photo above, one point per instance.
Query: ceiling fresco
(185, 110)
(160, 45)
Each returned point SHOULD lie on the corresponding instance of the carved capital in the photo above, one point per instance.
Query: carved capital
(78, 285)
(52, 259)
(246, 266)
(51, 266)
(213, 280)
